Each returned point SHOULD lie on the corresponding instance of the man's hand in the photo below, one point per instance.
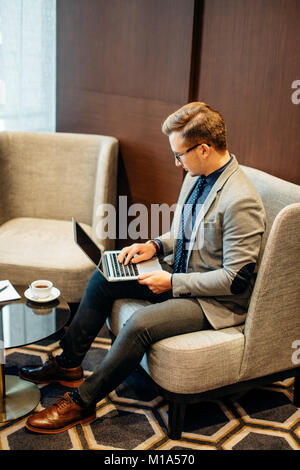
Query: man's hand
(144, 252)
(157, 281)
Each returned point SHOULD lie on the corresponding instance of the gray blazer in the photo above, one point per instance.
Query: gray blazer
(224, 247)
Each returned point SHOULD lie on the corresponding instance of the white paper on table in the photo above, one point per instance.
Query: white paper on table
(9, 293)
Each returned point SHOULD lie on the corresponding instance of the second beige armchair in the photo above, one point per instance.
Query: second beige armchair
(45, 180)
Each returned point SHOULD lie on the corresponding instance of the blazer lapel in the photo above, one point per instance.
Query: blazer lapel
(232, 167)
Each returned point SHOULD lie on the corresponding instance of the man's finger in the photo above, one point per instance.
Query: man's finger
(146, 275)
(145, 280)
(127, 253)
(133, 250)
(139, 258)
(123, 253)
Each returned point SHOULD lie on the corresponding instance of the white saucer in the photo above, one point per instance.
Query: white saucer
(54, 294)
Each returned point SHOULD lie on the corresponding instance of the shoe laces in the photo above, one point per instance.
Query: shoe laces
(64, 401)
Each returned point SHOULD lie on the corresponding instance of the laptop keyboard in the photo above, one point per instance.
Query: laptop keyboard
(120, 270)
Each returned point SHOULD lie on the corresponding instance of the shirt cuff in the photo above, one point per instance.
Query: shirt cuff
(161, 248)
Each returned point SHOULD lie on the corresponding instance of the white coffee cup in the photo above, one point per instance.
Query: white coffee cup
(41, 289)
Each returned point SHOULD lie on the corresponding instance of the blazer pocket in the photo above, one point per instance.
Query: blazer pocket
(210, 237)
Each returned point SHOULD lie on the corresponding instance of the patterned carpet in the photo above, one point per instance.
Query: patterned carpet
(134, 416)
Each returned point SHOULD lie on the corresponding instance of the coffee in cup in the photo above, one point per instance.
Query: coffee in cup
(41, 289)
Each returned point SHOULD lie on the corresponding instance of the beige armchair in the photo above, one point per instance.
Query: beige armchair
(45, 180)
(208, 364)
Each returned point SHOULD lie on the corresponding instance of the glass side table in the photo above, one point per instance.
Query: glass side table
(23, 322)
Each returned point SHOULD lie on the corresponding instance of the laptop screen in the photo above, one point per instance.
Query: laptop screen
(87, 245)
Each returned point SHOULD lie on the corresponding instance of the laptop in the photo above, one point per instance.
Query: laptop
(107, 261)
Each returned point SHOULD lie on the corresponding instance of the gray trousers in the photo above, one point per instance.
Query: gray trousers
(165, 317)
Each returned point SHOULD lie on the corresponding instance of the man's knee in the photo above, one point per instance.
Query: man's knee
(97, 281)
(98, 277)
(136, 327)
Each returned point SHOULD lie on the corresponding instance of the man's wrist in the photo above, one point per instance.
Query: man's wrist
(155, 244)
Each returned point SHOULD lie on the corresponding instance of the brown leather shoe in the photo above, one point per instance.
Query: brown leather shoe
(51, 371)
(63, 415)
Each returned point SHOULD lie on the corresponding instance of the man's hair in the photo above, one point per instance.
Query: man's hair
(198, 122)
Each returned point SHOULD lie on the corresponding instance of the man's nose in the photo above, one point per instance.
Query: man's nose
(177, 163)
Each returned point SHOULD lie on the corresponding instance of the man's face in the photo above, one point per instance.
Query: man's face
(193, 161)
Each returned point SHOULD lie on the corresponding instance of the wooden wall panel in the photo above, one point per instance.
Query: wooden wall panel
(250, 56)
(147, 173)
(123, 67)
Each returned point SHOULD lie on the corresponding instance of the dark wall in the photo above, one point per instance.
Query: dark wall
(124, 65)
(250, 57)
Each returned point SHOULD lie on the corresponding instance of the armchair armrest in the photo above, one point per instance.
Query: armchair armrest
(273, 319)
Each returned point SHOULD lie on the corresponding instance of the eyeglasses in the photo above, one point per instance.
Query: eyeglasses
(179, 155)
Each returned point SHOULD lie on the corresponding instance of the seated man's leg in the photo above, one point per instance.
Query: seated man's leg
(146, 326)
(92, 312)
(95, 306)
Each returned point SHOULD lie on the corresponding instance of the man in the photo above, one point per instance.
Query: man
(207, 277)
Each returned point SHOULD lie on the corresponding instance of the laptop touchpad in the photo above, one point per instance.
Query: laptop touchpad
(148, 266)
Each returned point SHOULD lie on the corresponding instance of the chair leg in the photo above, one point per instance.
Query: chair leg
(297, 391)
(176, 419)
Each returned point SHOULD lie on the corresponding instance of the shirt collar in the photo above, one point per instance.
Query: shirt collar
(212, 177)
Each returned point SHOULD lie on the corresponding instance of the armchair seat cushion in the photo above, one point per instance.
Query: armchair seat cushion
(188, 363)
(23, 257)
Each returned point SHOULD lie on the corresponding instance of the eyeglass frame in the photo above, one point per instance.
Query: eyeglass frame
(179, 155)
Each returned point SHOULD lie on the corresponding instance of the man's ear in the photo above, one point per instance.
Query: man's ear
(205, 150)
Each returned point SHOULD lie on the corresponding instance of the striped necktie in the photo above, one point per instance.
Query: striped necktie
(180, 255)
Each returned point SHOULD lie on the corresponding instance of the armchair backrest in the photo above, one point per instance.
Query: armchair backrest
(273, 320)
(275, 193)
(56, 175)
